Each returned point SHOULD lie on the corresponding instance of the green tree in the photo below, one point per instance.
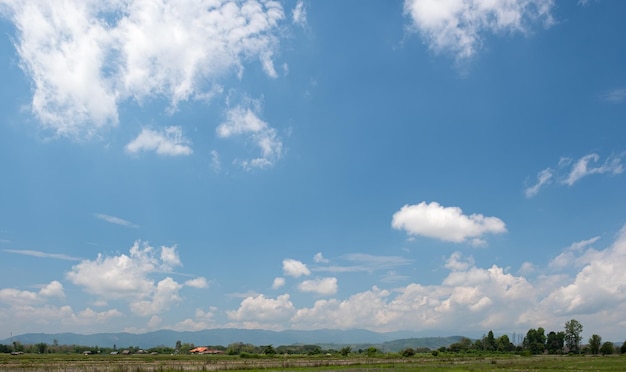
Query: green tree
(345, 351)
(607, 348)
(269, 350)
(555, 342)
(573, 330)
(489, 342)
(314, 350)
(623, 348)
(371, 351)
(535, 340)
(408, 352)
(504, 344)
(42, 347)
(595, 342)
(462, 345)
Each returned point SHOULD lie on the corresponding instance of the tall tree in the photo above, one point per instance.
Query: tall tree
(535, 340)
(504, 344)
(595, 342)
(555, 343)
(489, 343)
(573, 330)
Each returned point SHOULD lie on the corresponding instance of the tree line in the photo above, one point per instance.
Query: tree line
(536, 341)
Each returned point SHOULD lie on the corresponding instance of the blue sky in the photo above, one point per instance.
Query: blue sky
(446, 167)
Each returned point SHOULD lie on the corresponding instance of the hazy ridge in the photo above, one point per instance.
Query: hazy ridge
(357, 338)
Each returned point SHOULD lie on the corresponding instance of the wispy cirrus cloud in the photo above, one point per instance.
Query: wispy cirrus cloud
(569, 171)
(362, 262)
(33, 253)
(614, 96)
(298, 14)
(115, 220)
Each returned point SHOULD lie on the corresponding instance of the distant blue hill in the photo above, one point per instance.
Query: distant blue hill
(226, 336)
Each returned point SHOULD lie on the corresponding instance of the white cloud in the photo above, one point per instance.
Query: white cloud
(527, 268)
(154, 322)
(48, 318)
(169, 258)
(165, 293)
(319, 258)
(86, 57)
(456, 263)
(572, 256)
(28, 252)
(615, 95)
(13, 296)
(166, 142)
(243, 121)
(298, 14)
(89, 315)
(599, 285)
(198, 282)
(216, 164)
(278, 282)
(295, 268)
(460, 26)
(323, 286)
(53, 289)
(444, 223)
(543, 178)
(203, 320)
(115, 220)
(259, 309)
(583, 167)
(365, 262)
(569, 171)
(130, 278)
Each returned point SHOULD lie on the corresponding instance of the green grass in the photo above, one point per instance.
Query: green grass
(165, 363)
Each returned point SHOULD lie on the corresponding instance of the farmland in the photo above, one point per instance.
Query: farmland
(419, 362)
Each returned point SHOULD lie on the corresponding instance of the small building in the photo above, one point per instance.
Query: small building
(205, 350)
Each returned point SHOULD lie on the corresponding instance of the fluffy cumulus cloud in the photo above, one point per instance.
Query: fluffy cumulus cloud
(599, 284)
(278, 282)
(129, 277)
(243, 121)
(34, 311)
(166, 142)
(445, 223)
(199, 282)
(469, 298)
(202, 320)
(295, 268)
(322, 286)
(460, 26)
(256, 310)
(86, 57)
(570, 171)
(13, 296)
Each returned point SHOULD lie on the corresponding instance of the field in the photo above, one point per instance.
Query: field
(141, 363)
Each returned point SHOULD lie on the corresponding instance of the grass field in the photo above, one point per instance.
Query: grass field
(141, 363)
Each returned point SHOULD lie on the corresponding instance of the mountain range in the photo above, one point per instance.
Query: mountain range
(389, 341)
